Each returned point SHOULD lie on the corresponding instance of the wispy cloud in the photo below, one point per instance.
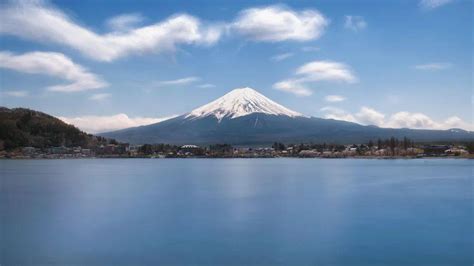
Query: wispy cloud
(206, 86)
(16, 93)
(432, 4)
(355, 23)
(281, 57)
(313, 72)
(100, 96)
(337, 114)
(55, 65)
(279, 23)
(124, 22)
(326, 71)
(403, 119)
(433, 66)
(178, 82)
(293, 86)
(96, 124)
(334, 98)
(37, 21)
(41, 22)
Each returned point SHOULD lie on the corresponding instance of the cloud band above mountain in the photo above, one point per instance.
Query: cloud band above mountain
(97, 124)
(403, 119)
(44, 23)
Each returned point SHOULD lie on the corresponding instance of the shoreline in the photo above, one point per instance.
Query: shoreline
(276, 157)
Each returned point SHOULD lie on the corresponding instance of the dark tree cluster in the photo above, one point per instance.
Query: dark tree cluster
(319, 147)
(392, 142)
(21, 127)
(149, 149)
(221, 148)
(470, 147)
(277, 146)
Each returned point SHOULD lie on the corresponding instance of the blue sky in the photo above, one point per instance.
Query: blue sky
(103, 65)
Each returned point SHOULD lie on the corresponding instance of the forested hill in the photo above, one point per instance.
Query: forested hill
(20, 127)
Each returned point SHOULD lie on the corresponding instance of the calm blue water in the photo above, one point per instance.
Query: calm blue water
(236, 212)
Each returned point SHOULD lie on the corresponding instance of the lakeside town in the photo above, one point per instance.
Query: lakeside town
(389, 148)
(28, 134)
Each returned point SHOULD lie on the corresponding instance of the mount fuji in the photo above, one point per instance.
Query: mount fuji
(245, 117)
(241, 102)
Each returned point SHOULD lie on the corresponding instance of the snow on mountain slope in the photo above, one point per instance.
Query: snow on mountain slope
(241, 102)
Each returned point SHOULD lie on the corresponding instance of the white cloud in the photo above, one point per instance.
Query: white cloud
(206, 86)
(355, 23)
(278, 23)
(96, 124)
(334, 98)
(124, 22)
(54, 65)
(432, 4)
(16, 93)
(456, 122)
(281, 57)
(338, 114)
(369, 116)
(313, 72)
(410, 120)
(293, 86)
(40, 22)
(100, 96)
(433, 66)
(35, 20)
(420, 121)
(326, 71)
(178, 82)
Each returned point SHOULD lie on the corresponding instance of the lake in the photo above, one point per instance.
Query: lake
(236, 212)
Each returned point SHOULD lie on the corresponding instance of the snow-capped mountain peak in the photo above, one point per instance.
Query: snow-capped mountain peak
(241, 102)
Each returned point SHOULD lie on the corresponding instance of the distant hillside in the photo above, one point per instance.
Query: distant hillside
(21, 127)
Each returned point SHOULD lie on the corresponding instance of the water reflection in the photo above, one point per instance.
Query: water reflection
(274, 211)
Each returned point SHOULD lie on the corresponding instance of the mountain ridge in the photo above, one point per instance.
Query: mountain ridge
(246, 117)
